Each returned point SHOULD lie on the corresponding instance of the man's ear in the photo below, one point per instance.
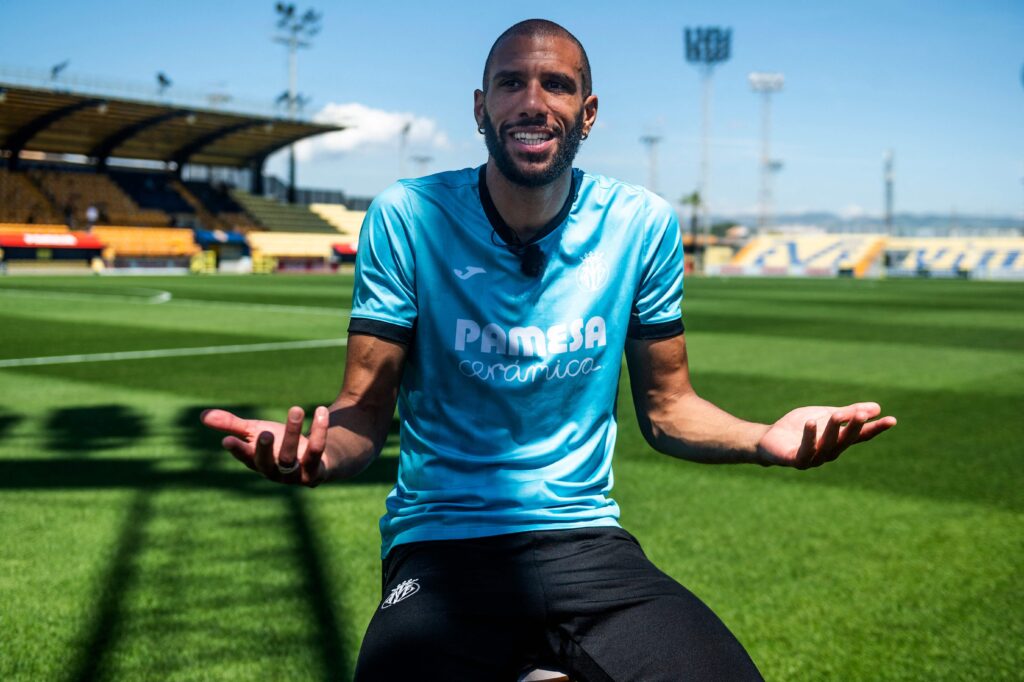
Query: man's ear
(479, 110)
(589, 114)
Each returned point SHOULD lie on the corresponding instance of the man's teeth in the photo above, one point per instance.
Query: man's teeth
(531, 138)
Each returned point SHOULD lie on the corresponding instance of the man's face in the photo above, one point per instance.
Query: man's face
(534, 114)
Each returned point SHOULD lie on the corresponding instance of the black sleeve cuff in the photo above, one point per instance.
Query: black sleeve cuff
(384, 330)
(662, 330)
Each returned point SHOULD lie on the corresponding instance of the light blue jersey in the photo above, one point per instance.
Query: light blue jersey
(507, 402)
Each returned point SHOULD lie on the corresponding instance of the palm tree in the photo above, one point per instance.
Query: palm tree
(693, 201)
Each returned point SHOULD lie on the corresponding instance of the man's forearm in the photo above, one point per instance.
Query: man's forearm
(355, 437)
(691, 428)
(362, 414)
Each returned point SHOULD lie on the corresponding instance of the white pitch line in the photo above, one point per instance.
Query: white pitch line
(166, 297)
(274, 307)
(172, 353)
(161, 296)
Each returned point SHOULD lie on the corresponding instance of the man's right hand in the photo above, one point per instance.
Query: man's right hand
(278, 451)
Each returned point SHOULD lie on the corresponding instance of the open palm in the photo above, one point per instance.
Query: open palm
(277, 450)
(811, 436)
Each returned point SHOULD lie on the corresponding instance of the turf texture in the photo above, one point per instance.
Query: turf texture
(134, 548)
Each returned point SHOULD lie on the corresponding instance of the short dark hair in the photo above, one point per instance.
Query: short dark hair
(547, 29)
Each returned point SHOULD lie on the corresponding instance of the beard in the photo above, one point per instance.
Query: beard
(560, 162)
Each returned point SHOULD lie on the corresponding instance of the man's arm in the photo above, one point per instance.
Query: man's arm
(362, 413)
(678, 422)
(343, 439)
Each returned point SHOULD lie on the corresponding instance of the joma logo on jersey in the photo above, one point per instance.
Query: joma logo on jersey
(531, 341)
(404, 590)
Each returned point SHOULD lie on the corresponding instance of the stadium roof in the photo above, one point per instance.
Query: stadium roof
(62, 122)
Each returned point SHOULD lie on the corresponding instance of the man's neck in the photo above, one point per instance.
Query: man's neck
(526, 209)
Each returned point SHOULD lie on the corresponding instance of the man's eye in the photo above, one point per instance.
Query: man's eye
(511, 83)
(557, 86)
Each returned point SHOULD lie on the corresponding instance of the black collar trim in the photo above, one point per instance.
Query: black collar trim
(507, 234)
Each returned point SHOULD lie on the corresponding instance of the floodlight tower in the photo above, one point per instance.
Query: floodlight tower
(651, 142)
(706, 48)
(296, 30)
(767, 84)
(888, 176)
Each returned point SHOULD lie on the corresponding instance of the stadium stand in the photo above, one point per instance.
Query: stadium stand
(133, 210)
(280, 217)
(215, 199)
(215, 206)
(341, 218)
(824, 255)
(20, 228)
(204, 218)
(22, 202)
(151, 191)
(240, 221)
(47, 249)
(295, 250)
(147, 242)
(75, 191)
(976, 257)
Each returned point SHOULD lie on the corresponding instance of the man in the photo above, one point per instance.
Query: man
(493, 305)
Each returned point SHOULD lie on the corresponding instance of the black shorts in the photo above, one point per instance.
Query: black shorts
(586, 601)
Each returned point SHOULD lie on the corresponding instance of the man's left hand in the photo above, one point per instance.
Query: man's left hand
(794, 440)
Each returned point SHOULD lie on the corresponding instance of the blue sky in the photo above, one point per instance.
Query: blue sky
(939, 83)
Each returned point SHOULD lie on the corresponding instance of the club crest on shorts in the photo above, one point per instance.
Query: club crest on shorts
(403, 590)
(592, 274)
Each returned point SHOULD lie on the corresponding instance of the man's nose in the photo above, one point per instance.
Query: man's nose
(534, 102)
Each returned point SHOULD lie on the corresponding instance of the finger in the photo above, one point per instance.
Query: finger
(289, 451)
(806, 451)
(222, 420)
(240, 450)
(315, 444)
(264, 455)
(848, 436)
(869, 410)
(829, 438)
(872, 429)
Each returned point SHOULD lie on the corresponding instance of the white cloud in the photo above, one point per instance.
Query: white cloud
(368, 127)
(852, 211)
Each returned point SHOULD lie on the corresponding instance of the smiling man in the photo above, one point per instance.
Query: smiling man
(494, 305)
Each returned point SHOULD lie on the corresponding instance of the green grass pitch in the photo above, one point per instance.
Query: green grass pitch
(134, 548)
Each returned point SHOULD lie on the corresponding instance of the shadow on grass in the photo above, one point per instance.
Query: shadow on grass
(83, 429)
(118, 582)
(318, 589)
(124, 578)
(7, 422)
